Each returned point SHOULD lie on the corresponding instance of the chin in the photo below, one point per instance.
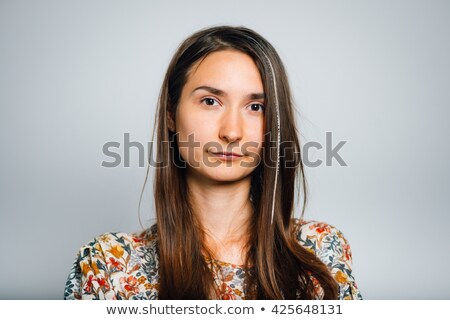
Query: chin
(228, 175)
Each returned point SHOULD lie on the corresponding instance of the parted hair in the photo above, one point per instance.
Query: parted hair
(281, 267)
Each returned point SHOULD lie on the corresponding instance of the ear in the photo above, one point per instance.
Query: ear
(170, 122)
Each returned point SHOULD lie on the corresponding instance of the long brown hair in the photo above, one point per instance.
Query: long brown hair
(277, 258)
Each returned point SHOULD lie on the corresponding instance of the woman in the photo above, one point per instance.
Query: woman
(224, 191)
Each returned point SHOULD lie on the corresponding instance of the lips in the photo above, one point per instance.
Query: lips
(227, 154)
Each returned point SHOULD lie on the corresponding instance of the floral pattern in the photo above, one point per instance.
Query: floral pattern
(125, 266)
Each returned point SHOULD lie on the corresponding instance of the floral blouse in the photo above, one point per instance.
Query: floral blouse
(125, 266)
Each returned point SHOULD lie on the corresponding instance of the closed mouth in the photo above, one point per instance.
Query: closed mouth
(226, 154)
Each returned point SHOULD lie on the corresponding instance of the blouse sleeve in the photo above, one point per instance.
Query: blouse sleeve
(88, 278)
(333, 249)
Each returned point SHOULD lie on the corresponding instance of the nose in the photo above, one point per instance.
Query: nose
(231, 126)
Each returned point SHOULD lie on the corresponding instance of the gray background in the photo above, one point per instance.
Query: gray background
(77, 74)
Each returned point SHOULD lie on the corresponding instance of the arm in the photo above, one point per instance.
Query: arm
(340, 264)
(333, 249)
(88, 277)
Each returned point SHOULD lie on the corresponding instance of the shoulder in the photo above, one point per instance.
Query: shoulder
(324, 240)
(116, 241)
(110, 244)
(315, 235)
(329, 244)
(102, 264)
(117, 244)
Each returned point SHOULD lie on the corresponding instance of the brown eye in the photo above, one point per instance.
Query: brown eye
(208, 101)
(256, 107)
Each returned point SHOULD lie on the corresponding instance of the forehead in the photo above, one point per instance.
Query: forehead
(226, 68)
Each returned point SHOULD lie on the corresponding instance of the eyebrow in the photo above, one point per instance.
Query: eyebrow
(222, 93)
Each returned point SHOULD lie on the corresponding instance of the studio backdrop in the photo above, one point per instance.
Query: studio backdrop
(370, 81)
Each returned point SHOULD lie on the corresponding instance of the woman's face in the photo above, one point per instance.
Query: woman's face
(221, 110)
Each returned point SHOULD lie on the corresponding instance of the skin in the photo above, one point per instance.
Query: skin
(232, 122)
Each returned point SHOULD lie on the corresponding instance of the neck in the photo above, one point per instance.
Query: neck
(224, 211)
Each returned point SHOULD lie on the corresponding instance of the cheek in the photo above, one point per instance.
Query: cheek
(193, 133)
(257, 135)
(185, 123)
(193, 128)
(254, 145)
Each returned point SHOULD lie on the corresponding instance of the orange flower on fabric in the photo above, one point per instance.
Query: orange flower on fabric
(320, 227)
(95, 268)
(115, 263)
(238, 292)
(104, 238)
(130, 284)
(340, 277)
(103, 283)
(97, 247)
(346, 251)
(88, 285)
(85, 268)
(117, 251)
(142, 279)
